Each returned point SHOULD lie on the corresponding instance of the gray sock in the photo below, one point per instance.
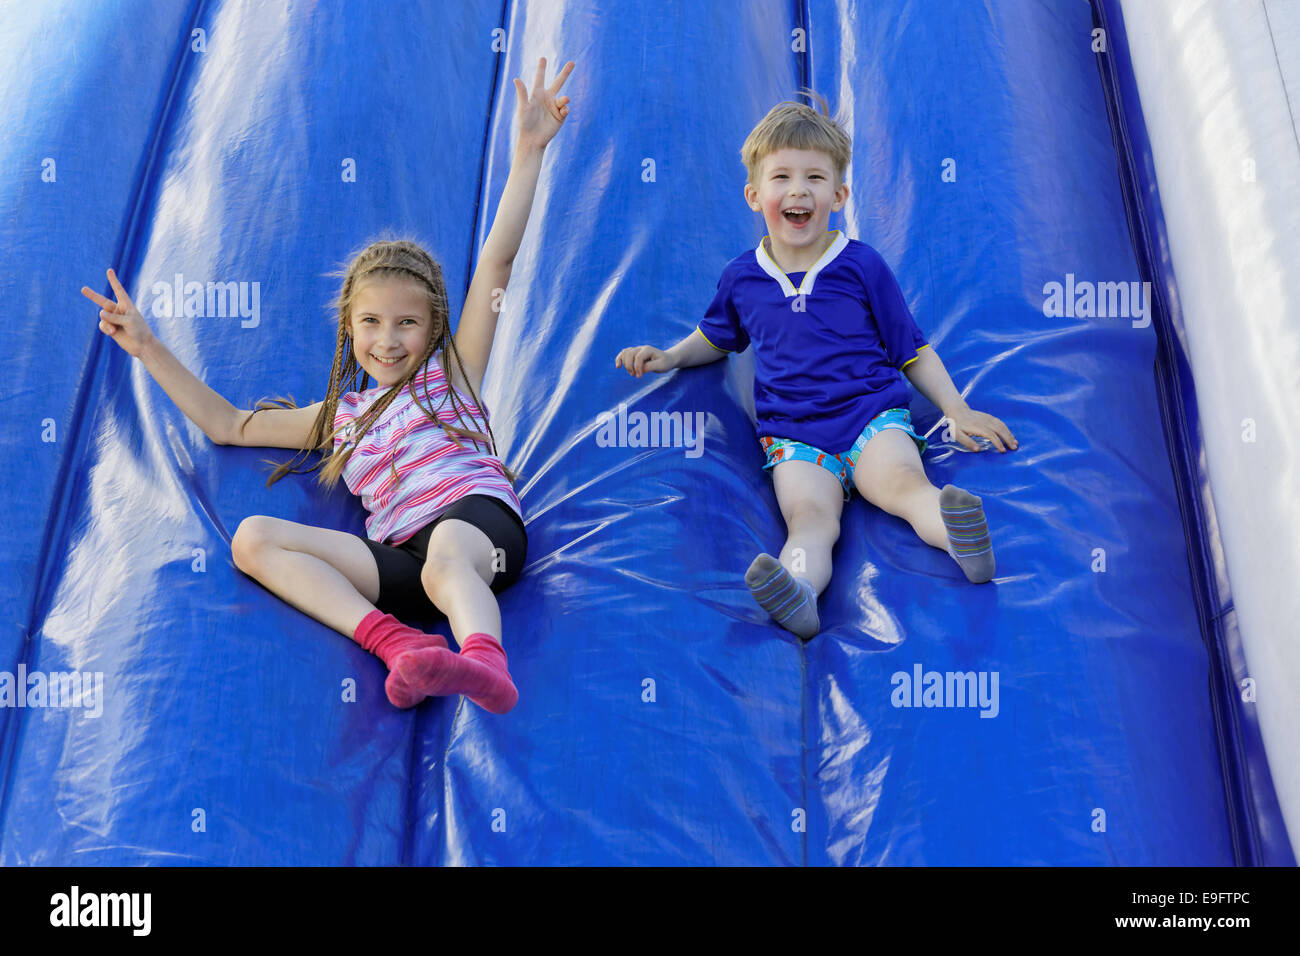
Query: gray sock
(968, 533)
(791, 601)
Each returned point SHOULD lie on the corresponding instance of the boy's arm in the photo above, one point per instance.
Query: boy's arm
(695, 349)
(723, 323)
(538, 118)
(928, 376)
(692, 350)
(927, 373)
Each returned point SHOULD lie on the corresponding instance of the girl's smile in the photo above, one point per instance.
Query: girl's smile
(390, 328)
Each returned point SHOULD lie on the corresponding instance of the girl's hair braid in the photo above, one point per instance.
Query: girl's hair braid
(387, 258)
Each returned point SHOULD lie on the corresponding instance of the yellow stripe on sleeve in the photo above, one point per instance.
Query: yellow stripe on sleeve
(913, 358)
(706, 338)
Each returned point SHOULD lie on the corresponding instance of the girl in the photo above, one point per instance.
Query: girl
(445, 524)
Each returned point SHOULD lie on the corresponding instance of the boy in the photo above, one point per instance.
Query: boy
(831, 332)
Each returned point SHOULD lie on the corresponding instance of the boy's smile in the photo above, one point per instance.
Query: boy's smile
(796, 193)
(390, 328)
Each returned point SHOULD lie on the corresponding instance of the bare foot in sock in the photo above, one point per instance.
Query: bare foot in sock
(478, 671)
(968, 533)
(791, 601)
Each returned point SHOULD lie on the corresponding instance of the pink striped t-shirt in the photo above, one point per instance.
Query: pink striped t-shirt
(432, 471)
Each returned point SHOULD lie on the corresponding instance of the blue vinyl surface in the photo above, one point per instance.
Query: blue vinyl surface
(222, 703)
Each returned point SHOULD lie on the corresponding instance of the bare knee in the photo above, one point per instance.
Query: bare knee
(254, 536)
(442, 569)
(812, 519)
(902, 492)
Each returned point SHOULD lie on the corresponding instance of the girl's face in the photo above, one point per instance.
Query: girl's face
(391, 326)
(802, 180)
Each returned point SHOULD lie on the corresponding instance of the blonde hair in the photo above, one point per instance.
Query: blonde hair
(791, 125)
(385, 258)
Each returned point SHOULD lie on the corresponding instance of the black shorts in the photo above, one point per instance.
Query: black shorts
(401, 592)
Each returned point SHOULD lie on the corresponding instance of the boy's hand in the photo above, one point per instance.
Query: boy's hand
(968, 422)
(120, 320)
(540, 116)
(639, 359)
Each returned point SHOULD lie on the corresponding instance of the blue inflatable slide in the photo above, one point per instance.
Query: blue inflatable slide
(663, 718)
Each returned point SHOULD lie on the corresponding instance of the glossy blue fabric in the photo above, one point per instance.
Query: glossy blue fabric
(662, 717)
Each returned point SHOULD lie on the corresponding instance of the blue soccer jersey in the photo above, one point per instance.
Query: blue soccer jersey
(829, 344)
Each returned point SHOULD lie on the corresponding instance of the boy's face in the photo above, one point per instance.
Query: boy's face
(796, 179)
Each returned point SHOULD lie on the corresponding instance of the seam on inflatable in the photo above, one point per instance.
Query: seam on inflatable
(1281, 76)
(411, 831)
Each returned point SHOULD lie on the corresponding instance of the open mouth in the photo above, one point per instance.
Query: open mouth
(387, 363)
(797, 215)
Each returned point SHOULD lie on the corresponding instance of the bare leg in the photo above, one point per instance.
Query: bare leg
(456, 573)
(811, 501)
(919, 506)
(288, 559)
(457, 569)
(890, 476)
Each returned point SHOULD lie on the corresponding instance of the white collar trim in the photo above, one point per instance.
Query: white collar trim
(806, 286)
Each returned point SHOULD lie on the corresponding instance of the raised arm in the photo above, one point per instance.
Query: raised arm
(538, 118)
(124, 324)
(222, 422)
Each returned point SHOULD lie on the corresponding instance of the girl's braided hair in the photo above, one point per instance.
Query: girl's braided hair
(387, 258)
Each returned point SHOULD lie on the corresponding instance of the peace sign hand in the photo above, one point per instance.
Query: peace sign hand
(121, 320)
(540, 116)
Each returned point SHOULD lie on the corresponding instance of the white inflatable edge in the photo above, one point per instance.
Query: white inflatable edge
(1214, 78)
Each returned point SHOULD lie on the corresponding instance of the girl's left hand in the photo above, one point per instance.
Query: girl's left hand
(970, 422)
(540, 116)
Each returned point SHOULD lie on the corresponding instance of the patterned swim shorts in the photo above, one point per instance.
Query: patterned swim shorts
(840, 465)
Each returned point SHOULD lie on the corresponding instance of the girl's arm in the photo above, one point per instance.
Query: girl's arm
(122, 322)
(221, 422)
(538, 119)
(201, 404)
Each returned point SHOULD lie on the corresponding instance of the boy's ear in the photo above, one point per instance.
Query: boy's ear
(751, 197)
(841, 196)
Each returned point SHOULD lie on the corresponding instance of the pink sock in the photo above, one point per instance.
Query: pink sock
(388, 639)
(478, 671)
